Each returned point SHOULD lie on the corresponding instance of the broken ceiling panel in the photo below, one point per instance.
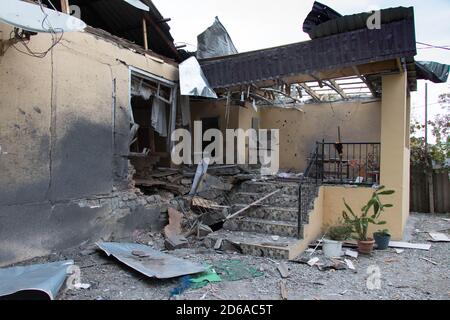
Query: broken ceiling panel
(34, 280)
(150, 262)
(215, 42)
(193, 81)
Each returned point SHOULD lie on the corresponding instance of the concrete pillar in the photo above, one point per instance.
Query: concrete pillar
(395, 150)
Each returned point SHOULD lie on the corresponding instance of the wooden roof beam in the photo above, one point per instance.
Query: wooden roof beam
(161, 33)
(335, 86)
(311, 92)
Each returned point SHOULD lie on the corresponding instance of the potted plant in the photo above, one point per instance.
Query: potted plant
(335, 236)
(370, 214)
(382, 239)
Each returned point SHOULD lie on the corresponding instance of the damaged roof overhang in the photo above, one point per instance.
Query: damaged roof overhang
(354, 53)
(361, 51)
(121, 19)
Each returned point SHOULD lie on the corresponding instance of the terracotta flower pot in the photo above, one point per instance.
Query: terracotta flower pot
(366, 247)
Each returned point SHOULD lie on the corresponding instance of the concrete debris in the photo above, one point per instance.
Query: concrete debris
(218, 244)
(351, 253)
(439, 237)
(284, 270)
(174, 228)
(350, 264)
(175, 242)
(399, 251)
(312, 262)
(140, 254)
(331, 264)
(203, 230)
(83, 286)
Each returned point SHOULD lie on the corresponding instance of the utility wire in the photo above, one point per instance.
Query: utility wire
(430, 46)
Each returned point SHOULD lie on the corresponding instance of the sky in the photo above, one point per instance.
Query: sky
(259, 24)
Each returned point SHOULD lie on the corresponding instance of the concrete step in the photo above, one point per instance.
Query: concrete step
(270, 213)
(251, 243)
(287, 188)
(277, 200)
(267, 227)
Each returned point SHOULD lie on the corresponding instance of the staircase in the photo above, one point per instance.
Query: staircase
(272, 228)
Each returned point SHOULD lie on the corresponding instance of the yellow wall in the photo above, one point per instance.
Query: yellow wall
(313, 230)
(239, 118)
(56, 139)
(299, 131)
(395, 157)
(42, 99)
(395, 154)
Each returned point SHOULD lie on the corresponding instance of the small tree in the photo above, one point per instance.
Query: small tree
(440, 128)
(360, 223)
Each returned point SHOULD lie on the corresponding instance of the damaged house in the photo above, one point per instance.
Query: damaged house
(77, 108)
(87, 118)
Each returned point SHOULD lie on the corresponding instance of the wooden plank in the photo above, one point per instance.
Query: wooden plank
(145, 34)
(252, 204)
(406, 245)
(65, 7)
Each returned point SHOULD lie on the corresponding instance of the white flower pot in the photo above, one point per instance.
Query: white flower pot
(332, 249)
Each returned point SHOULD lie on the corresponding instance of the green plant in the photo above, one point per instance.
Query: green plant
(384, 232)
(370, 214)
(340, 232)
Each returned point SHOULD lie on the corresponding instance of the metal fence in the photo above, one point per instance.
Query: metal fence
(345, 163)
(420, 190)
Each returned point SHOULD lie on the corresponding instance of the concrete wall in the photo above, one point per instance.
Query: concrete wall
(299, 131)
(58, 142)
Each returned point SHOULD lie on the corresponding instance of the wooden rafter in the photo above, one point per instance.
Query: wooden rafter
(65, 7)
(363, 79)
(145, 33)
(311, 92)
(336, 87)
(157, 27)
(282, 93)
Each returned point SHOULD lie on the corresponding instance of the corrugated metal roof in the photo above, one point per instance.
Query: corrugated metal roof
(393, 40)
(359, 21)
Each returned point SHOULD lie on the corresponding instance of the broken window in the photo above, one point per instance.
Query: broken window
(152, 110)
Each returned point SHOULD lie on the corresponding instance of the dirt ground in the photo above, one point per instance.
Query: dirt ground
(404, 276)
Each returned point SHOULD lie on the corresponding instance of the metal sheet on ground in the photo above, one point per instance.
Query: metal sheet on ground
(45, 278)
(154, 265)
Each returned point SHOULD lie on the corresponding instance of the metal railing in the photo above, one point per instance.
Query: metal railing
(340, 163)
(347, 163)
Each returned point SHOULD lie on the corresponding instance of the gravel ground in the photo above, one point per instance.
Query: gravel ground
(404, 276)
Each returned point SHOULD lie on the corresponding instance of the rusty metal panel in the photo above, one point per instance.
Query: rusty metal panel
(150, 262)
(393, 40)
